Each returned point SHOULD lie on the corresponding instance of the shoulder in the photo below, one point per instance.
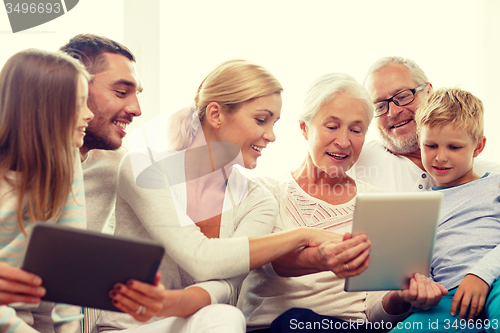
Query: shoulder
(275, 184)
(364, 187)
(103, 157)
(374, 147)
(373, 155)
(257, 188)
(493, 180)
(150, 168)
(481, 166)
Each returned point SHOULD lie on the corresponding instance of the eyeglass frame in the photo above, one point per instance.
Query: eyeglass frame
(389, 100)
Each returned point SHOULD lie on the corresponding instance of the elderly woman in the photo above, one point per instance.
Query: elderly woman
(319, 194)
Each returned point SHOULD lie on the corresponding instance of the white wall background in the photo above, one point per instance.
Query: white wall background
(456, 42)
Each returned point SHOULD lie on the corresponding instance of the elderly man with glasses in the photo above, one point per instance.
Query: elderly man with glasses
(397, 86)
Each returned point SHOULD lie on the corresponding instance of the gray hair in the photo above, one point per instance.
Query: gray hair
(326, 87)
(416, 73)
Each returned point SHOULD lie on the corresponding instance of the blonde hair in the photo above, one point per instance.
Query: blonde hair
(229, 84)
(452, 106)
(37, 121)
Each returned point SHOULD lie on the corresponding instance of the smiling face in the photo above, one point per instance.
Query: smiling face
(251, 126)
(113, 100)
(448, 154)
(397, 127)
(336, 134)
(83, 113)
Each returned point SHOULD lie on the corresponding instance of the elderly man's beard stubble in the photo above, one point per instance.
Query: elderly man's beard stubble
(399, 145)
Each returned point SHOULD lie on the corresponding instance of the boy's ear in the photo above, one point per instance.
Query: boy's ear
(303, 129)
(479, 147)
(213, 114)
(430, 88)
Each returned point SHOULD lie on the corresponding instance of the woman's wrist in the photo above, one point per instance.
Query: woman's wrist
(393, 304)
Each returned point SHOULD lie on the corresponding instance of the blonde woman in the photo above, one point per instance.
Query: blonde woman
(213, 221)
(43, 117)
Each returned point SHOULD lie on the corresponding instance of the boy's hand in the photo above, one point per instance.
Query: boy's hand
(472, 292)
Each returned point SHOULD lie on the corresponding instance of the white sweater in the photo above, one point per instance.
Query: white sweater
(264, 297)
(148, 211)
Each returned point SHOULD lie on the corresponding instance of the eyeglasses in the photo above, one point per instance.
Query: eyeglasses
(402, 98)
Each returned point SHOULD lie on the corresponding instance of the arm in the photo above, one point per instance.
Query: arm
(488, 267)
(201, 257)
(344, 256)
(152, 211)
(11, 323)
(474, 288)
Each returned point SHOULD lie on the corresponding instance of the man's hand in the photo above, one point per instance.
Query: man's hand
(17, 285)
(423, 293)
(472, 293)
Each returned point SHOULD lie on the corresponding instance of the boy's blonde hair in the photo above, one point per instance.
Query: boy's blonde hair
(452, 106)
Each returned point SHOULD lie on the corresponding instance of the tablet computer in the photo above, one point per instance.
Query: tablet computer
(80, 267)
(402, 229)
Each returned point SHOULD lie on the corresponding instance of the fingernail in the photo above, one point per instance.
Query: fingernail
(37, 280)
(112, 293)
(114, 301)
(117, 287)
(40, 291)
(130, 282)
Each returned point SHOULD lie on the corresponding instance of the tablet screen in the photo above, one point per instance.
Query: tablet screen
(80, 267)
(402, 229)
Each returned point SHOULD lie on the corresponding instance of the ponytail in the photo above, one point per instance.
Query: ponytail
(182, 128)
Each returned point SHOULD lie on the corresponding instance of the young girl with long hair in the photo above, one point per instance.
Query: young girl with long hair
(43, 117)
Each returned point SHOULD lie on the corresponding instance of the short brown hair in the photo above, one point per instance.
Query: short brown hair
(90, 49)
(452, 106)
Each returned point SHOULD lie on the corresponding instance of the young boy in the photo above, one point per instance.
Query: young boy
(466, 256)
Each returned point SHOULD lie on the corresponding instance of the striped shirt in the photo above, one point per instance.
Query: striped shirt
(18, 317)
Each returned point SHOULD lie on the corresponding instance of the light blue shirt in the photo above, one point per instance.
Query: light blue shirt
(468, 233)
